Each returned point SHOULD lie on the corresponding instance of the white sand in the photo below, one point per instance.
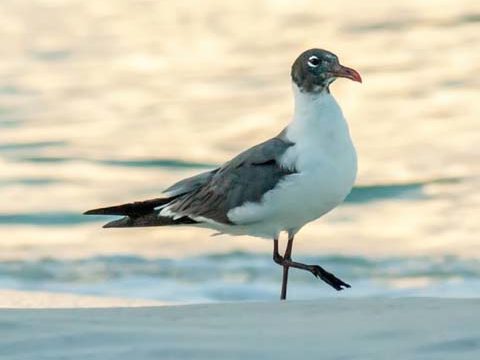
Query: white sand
(408, 328)
(13, 299)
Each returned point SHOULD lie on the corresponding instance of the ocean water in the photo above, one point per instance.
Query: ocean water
(104, 103)
(238, 276)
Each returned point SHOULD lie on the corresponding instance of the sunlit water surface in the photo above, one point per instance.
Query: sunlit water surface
(107, 102)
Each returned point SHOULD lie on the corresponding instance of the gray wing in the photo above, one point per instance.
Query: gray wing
(190, 184)
(246, 178)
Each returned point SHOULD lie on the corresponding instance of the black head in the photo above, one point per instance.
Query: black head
(315, 69)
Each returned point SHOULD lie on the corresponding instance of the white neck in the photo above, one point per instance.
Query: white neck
(318, 117)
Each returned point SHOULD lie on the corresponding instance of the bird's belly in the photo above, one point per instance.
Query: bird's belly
(300, 198)
(308, 195)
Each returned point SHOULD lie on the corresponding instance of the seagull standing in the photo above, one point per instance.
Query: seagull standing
(276, 186)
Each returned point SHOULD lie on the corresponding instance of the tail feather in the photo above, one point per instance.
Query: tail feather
(140, 214)
(135, 209)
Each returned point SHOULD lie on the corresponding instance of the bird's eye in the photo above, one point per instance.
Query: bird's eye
(313, 61)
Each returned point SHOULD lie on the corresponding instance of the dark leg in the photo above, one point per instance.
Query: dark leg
(316, 270)
(276, 255)
(285, 262)
(319, 272)
(280, 260)
(286, 257)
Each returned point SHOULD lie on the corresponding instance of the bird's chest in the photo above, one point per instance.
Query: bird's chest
(324, 178)
(323, 160)
(325, 163)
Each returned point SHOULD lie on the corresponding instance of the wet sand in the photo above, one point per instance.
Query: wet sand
(366, 328)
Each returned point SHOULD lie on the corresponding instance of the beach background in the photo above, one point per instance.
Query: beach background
(105, 102)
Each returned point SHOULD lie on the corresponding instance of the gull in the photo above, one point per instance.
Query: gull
(277, 186)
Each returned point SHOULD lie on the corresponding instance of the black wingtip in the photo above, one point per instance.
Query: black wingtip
(134, 209)
(104, 211)
(137, 209)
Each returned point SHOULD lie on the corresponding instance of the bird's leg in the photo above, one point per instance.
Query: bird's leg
(276, 255)
(281, 261)
(286, 258)
(321, 273)
(316, 270)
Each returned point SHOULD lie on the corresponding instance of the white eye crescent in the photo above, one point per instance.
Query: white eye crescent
(313, 61)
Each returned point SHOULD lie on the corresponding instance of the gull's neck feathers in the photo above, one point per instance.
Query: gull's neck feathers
(318, 118)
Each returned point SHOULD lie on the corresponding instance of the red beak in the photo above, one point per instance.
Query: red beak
(346, 72)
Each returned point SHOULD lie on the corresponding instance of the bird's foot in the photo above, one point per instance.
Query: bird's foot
(329, 278)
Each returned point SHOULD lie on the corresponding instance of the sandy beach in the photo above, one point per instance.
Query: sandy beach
(362, 328)
(14, 299)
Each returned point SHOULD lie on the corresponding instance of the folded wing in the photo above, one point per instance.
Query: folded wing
(209, 196)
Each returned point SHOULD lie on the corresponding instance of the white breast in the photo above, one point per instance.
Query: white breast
(325, 162)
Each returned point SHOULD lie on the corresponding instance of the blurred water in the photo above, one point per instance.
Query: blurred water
(108, 102)
(241, 276)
